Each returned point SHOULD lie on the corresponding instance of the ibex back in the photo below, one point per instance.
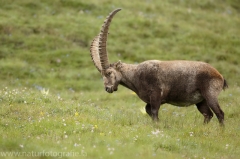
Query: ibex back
(180, 83)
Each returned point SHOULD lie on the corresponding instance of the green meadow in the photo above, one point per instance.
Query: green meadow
(52, 100)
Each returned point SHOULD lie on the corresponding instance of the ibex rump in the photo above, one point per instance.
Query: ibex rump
(181, 83)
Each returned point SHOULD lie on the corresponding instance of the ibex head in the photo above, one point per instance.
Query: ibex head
(98, 50)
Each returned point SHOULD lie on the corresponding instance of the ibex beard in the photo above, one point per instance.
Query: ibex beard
(180, 83)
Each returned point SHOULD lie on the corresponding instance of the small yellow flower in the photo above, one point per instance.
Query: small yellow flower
(76, 114)
(95, 126)
(143, 110)
(133, 93)
(102, 134)
(41, 113)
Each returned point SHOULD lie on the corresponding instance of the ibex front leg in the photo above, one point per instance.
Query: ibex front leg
(148, 110)
(155, 103)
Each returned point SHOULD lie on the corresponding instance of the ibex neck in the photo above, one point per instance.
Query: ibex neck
(128, 73)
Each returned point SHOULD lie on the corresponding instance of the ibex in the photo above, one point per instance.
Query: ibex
(181, 83)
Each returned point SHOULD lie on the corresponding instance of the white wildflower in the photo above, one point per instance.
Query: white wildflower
(191, 133)
(155, 132)
(45, 92)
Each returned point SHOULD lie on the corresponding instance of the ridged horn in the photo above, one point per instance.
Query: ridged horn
(102, 47)
(95, 53)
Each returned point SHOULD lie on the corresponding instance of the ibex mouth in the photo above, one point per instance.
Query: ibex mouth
(110, 89)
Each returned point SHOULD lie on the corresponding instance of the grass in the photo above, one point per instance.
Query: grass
(45, 45)
(81, 123)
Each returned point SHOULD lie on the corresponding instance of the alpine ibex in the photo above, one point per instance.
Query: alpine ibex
(181, 83)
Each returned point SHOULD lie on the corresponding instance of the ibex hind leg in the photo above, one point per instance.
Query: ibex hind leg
(205, 110)
(213, 104)
(210, 92)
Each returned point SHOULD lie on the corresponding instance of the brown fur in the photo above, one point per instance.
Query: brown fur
(181, 83)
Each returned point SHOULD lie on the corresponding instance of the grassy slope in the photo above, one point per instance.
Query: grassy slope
(46, 44)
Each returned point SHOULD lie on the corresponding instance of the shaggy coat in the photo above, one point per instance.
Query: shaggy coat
(180, 83)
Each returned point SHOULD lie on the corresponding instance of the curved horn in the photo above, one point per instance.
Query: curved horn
(102, 47)
(95, 53)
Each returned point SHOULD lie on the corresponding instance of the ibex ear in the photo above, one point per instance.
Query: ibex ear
(119, 64)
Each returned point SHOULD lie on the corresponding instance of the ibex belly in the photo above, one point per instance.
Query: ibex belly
(184, 100)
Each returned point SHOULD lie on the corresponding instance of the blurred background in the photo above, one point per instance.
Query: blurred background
(45, 44)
